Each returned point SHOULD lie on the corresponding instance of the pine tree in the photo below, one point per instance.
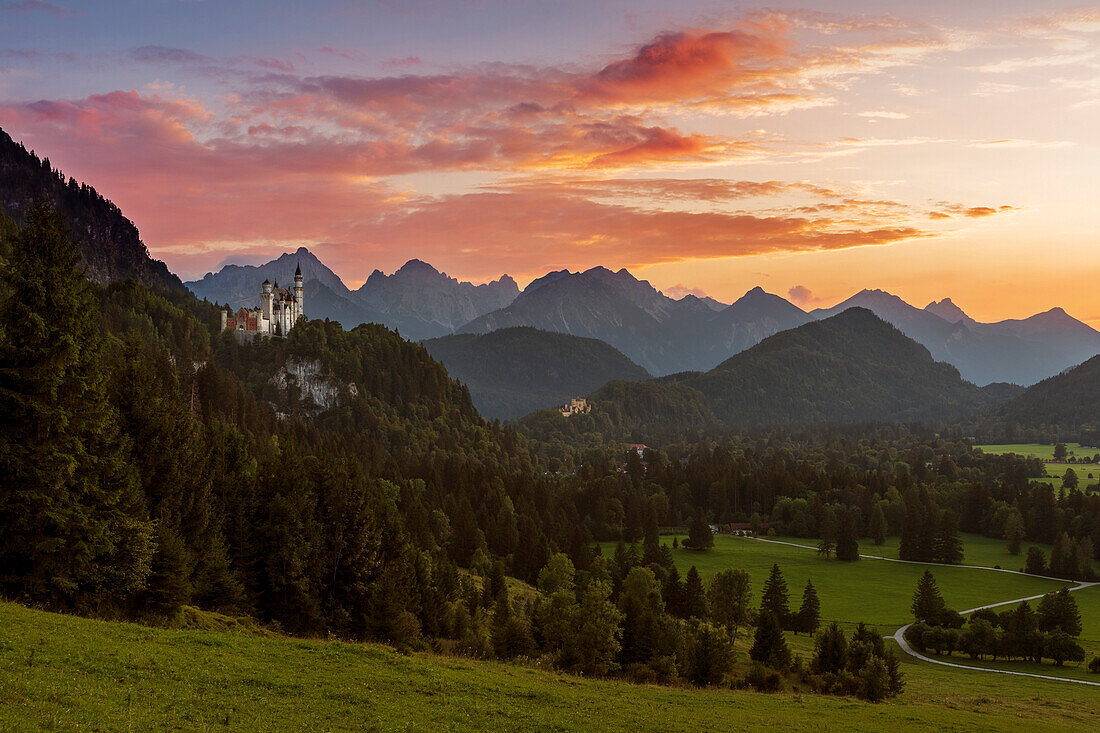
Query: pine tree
(809, 615)
(928, 604)
(695, 599)
(1063, 557)
(1036, 561)
(74, 522)
(847, 543)
(643, 617)
(775, 601)
(912, 529)
(827, 530)
(673, 593)
(830, 651)
(948, 546)
(878, 525)
(769, 646)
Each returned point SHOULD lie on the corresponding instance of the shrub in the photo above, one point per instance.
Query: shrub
(762, 678)
(915, 636)
(1094, 665)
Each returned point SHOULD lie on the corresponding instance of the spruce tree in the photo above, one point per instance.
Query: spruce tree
(695, 598)
(673, 593)
(809, 614)
(1036, 561)
(769, 646)
(827, 530)
(878, 525)
(912, 528)
(830, 651)
(928, 604)
(948, 547)
(847, 542)
(73, 523)
(775, 601)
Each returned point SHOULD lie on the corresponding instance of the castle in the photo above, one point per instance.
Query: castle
(578, 406)
(280, 309)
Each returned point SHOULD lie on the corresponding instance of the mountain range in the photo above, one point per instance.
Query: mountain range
(847, 368)
(695, 339)
(1015, 351)
(418, 301)
(661, 334)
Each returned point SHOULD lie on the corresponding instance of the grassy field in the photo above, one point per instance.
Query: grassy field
(978, 550)
(65, 673)
(870, 590)
(1038, 450)
(1055, 470)
(880, 593)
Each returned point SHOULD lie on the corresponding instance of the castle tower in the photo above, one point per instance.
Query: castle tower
(265, 300)
(299, 295)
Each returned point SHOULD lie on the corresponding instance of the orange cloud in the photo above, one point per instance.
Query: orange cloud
(285, 157)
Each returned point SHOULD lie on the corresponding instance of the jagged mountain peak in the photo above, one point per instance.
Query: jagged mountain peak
(416, 266)
(948, 311)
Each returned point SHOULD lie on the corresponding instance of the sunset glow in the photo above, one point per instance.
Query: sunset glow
(933, 150)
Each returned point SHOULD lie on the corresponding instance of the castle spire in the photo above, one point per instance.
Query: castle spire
(298, 271)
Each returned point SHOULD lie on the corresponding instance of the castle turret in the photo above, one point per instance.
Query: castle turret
(265, 300)
(299, 293)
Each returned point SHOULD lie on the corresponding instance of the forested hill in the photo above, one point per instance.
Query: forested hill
(514, 371)
(109, 242)
(1070, 401)
(850, 368)
(326, 481)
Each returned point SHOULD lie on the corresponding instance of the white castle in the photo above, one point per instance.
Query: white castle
(280, 309)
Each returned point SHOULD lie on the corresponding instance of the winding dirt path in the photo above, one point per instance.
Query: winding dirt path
(899, 635)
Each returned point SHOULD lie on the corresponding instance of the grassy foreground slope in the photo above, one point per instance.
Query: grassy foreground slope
(66, 673)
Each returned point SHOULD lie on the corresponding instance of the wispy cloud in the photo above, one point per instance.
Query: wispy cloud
(883, 115)
(38, 6)
(1017, 143)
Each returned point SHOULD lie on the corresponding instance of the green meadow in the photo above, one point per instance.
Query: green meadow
(1038, 450)
(880, 592)
(1055, 470)
(66, 673)
(874, 591)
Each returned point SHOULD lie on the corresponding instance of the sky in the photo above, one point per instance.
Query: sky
(934, 149)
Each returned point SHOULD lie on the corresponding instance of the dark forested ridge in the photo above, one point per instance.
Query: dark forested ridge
(109, 242)
(513, 371)
(850, 368)
(1064, 406)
